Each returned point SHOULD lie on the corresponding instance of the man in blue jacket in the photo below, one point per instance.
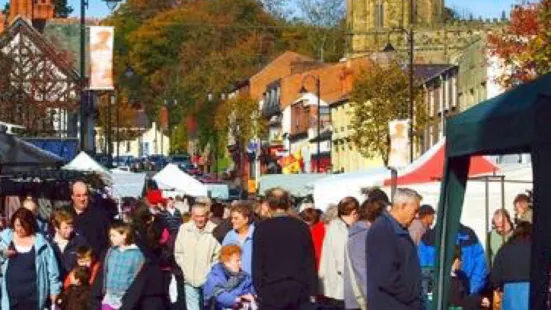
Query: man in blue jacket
(393, 269)
(472, 256)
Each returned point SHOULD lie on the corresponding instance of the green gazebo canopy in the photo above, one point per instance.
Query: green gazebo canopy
(518, 121)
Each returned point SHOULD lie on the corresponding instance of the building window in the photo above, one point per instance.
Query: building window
(379, 14)
(127, 146)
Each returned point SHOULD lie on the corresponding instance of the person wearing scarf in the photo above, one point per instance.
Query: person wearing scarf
(228, 286)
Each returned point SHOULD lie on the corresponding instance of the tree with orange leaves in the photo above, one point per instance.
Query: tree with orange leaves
(524, 45)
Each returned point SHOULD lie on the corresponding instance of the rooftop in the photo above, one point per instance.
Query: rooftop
(427, 72)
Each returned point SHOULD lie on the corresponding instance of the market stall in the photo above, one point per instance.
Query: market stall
(174, 181)
(514, 122)
(299, 185)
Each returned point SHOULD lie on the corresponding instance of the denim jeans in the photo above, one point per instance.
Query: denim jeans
(194, 297)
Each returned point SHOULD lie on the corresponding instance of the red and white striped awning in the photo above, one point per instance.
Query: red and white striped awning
(430, 167)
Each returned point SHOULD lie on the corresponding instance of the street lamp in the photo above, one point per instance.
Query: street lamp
(128, 73)
(168, 104)
(390, 49)
(84, 98)
(112, 4)
(303, 91)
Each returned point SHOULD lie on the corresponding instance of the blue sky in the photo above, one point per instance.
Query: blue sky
(484, 8)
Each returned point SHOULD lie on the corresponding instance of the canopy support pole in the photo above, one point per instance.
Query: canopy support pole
(456, 173)
(541, 230)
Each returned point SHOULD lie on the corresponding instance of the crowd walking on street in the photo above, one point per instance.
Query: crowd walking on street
(267, 253)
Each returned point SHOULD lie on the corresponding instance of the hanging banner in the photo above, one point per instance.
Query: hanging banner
(101, 57)
(399, 143)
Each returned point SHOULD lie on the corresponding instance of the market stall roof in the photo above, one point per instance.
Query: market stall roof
(332, 189)
(430, 167)
(517, 121)
(83, 162)
(18, 155)
(173, 178)
(66, 148)
(298, 185)
(127, 184)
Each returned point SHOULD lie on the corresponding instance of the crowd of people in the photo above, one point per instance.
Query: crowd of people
(200, 254)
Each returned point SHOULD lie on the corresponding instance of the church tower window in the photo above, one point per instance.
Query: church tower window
(380, 14)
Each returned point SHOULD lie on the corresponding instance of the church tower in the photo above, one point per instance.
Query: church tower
(34, 10)
(373, 15)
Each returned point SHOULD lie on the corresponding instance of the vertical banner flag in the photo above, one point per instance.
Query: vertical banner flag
(399, 143)
(101, 57)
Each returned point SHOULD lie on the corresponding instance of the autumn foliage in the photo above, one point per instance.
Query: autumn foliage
(381, 95)
(184, 50)
(523, 46)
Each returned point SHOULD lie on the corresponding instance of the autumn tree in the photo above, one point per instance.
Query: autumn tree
(380, 95)
(239, 118)
(127, 116)
(524, 46)
(185, 49)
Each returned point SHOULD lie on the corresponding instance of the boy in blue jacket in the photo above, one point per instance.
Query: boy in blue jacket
(228, 286)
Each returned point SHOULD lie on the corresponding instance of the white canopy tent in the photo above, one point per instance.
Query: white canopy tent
(83, 162)
(127, 184)
(497, 194)
(332, 189)
(485, 186)
(173, 179)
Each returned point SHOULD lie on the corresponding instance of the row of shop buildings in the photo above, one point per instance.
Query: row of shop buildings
(287, 95)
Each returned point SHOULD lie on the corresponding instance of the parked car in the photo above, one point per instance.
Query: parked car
(180, 159)
(236, 194)
(190, 169)
(123, 161)
(159, 161)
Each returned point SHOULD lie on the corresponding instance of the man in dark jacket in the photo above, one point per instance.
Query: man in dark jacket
(91, 222)
(393, 269)
(283, 264)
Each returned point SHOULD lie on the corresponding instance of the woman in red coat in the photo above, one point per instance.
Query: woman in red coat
(317, 230)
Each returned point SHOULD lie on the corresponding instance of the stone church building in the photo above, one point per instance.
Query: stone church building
(373, 25)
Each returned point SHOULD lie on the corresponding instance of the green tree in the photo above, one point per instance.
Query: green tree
(62, 9)
(380, 95)
(240, 119)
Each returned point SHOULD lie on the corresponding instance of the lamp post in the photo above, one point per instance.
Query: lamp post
(303, 91)
(84, 97)
(128, 73)
(168, 104)
(109, 132)
(390, 49)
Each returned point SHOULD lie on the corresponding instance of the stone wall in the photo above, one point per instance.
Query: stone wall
(438, 44)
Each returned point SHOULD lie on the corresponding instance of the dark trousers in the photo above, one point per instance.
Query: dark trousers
(25, 305)
(330, 304)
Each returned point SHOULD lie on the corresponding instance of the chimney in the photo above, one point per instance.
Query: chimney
(2, 22)
(44, 9)
(32, 10)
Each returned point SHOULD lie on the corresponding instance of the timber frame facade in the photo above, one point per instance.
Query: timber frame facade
(39, 86)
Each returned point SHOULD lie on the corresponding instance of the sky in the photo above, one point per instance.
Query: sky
(484, 8)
